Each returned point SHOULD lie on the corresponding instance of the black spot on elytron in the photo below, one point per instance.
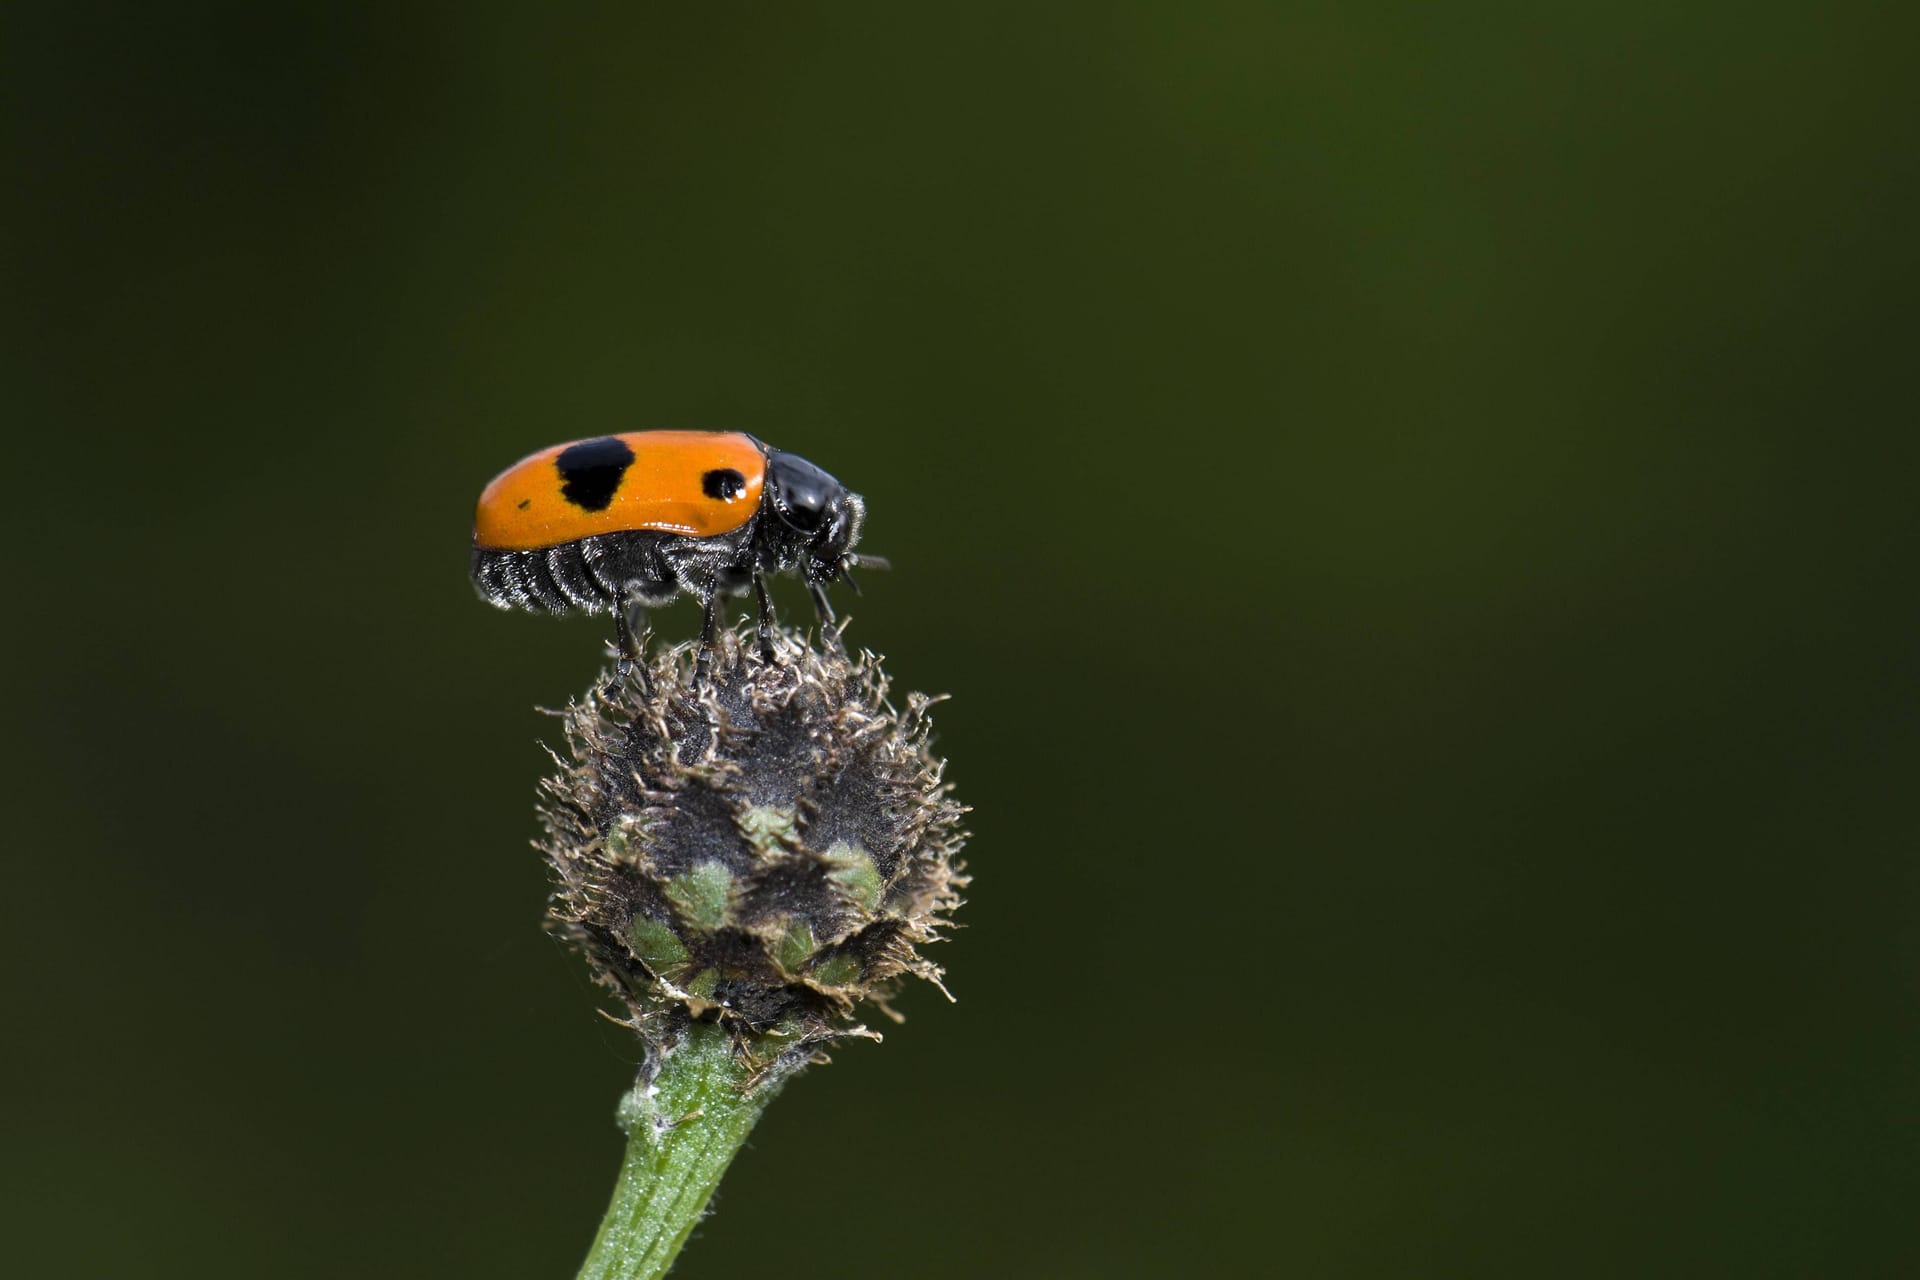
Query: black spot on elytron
(590, 471)
(523, 504)
(723, 483)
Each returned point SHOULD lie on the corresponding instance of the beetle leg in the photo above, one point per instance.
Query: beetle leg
(710, 606)
(821, 606)
(766, 617)
(627, 640)
(823, 609)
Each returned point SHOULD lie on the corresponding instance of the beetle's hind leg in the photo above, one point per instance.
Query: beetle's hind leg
(629, 639)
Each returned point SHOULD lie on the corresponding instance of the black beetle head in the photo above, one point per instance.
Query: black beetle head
(821, 517)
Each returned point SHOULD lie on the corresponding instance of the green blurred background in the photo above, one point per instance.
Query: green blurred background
(1414, 505)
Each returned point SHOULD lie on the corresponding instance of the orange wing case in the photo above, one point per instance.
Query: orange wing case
(670, 485)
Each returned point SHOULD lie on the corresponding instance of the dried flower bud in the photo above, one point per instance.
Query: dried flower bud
(768, 849)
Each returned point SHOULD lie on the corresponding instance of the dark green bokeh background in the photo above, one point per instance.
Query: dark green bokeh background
(1414, 504)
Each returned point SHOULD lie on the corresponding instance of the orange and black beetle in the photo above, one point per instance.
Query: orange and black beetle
(618, 523)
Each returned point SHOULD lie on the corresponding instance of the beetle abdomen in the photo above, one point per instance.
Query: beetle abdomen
(544, 580)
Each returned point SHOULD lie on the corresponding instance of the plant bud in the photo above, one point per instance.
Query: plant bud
(769, 848)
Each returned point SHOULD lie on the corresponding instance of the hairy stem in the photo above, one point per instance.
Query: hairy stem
(683, 1132)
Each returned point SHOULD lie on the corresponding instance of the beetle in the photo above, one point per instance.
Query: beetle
(621, 523)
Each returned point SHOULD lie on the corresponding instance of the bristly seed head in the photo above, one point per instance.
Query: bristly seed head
(768, 849)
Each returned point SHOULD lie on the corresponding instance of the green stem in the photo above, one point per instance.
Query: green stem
(683, 1133)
